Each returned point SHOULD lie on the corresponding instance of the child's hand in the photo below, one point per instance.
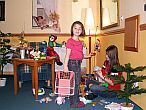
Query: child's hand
(99, 73)
(87, 57)
(65, 69)
(92, 54)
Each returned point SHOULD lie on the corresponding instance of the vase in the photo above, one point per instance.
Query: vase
(22, 53)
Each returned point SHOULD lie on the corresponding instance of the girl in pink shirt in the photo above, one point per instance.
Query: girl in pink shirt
(73, 59)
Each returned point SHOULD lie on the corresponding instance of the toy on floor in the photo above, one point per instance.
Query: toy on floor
(50, 50)
(64, 83)
(93, 105)
(82, 89)
(84, 100)
(52, 94)
(60, 100)
(41, 91)
(113, 106)
(46, 100)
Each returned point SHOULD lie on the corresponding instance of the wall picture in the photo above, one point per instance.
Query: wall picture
(45, 14)
(132, 28)
(2, 10)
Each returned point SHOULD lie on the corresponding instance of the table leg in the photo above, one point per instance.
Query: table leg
(36, 81)
(33, 82)
(15, 79)
(53, 76)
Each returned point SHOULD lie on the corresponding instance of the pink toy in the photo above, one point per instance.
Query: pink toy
(60, 100)
(64, 83)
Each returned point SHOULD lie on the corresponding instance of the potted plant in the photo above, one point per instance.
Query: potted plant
(5, 50)
(129, 83)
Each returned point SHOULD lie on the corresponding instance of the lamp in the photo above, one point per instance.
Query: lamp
(89, 21)
(106, 17)
(89, 27)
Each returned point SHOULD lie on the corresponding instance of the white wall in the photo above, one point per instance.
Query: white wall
(19, 14)
(130, 8)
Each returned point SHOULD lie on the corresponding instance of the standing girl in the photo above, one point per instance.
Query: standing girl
(73, 59)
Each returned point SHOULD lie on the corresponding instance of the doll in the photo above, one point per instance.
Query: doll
(50, 50)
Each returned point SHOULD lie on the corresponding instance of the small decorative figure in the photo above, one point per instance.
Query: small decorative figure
(22, 41)
(35, 54)
(97, 45)
(50, 50)
(63, 44)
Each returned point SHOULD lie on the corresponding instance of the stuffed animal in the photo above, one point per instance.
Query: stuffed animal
(60, 100)
(50, 50)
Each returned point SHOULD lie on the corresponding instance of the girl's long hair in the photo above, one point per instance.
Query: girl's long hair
(112, 52)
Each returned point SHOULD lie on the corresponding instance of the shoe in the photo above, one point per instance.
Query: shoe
(79, 105)
(91, 96)
(52, 94)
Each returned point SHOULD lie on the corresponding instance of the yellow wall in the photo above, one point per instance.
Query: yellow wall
(60, 39)
(135, 58)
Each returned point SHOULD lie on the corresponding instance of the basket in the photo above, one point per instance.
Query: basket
(64, 83)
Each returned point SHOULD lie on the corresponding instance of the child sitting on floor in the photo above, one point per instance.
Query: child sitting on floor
(97, 88)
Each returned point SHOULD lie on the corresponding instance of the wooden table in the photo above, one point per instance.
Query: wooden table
(34, 64)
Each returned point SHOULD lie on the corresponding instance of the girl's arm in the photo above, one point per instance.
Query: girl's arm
(68, 51)
(99, 73)
(89, 56)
